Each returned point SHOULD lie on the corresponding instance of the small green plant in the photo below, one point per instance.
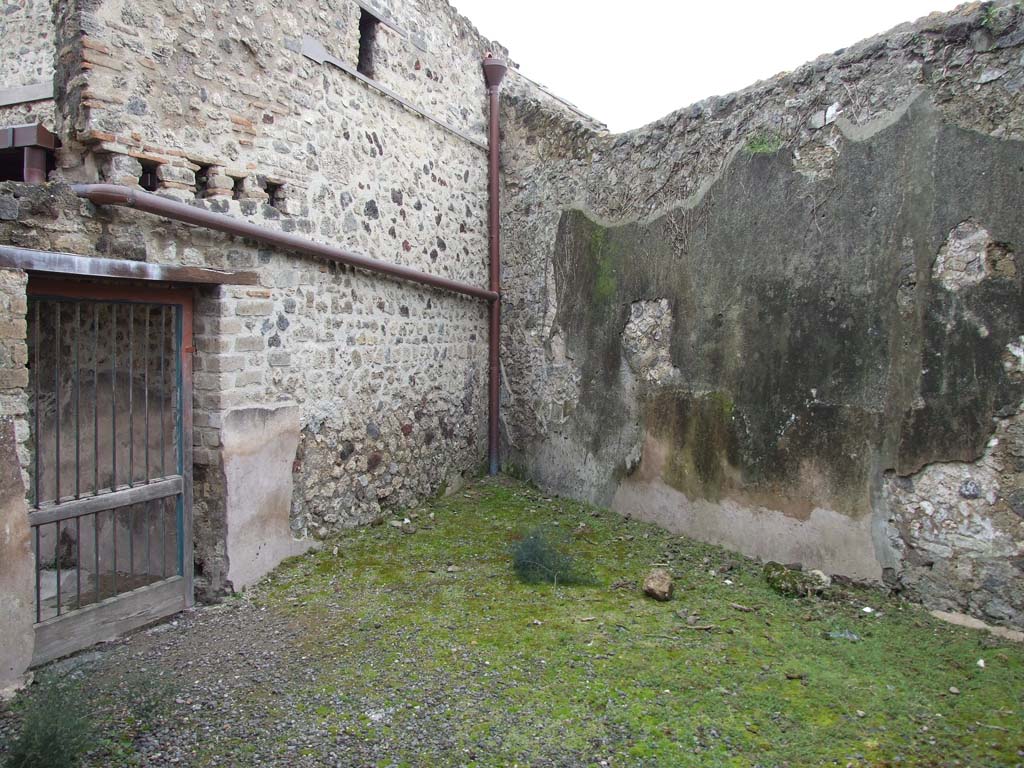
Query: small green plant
(764, 144)
(993, 16)
(536, 559)
(56, 729)
(989, 16)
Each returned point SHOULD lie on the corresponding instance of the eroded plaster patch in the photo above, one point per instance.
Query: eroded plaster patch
(958, 529)
(645, 342)
(969, 255)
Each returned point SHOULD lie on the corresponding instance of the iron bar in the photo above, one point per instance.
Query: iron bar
(145, 384)
(163, 538)
(39, 602)
(96, 398)
(163, 374)
(56, 403)
(96, 551)
(131, 540)
(78, 562)
(35, 409)
(78, 401)
(113, 570)
(112, 194)
(113, 397)
(131, 398)
(56, 560)
(148, 517)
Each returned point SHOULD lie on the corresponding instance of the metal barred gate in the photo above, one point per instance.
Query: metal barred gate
(110, 467)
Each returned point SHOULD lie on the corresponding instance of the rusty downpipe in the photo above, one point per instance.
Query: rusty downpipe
(113, 194)
(494, 72)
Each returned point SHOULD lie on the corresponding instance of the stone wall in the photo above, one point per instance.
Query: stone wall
(215, 105)
(789, 319)
(27, 35)
(13, 360)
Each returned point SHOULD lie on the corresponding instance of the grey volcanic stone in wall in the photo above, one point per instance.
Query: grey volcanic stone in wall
(258, 454)
(17, 614)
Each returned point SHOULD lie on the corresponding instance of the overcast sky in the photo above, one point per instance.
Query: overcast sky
(628, 63)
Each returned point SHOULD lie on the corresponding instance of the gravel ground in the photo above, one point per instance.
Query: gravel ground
(233, 685)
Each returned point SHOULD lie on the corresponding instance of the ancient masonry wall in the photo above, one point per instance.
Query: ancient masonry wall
(27, 32)
(789, 319)
(13, 357)
(214, 104)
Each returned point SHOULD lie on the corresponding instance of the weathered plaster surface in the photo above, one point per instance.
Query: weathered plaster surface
(259, 450)
(17, 566)
(743, 320)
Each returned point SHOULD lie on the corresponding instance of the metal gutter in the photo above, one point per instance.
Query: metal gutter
(113, 194)
(494, 72)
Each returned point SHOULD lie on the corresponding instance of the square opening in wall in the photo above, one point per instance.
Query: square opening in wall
(147, 179)
(368, 24)
(202, 179)
(274, 192)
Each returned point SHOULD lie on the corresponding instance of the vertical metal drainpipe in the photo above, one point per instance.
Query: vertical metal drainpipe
(494, 72)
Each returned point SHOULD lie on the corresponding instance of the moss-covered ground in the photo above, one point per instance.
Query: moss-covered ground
(422, 649)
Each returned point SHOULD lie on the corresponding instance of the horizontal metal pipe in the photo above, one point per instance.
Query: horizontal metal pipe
(113, 194)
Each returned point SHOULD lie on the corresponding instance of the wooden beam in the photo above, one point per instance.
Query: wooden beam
(107, 620)
(103, 501)
(50, 262)
(23, 94)
(27, 135)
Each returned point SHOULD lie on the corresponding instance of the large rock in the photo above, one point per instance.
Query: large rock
(658, 584)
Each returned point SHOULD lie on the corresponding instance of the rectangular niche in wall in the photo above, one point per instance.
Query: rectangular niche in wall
(368, 24)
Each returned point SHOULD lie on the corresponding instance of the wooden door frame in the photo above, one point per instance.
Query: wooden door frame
(150, 603)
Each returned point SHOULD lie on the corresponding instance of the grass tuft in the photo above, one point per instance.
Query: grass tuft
(536, 559)
(764, 144)
(56, 728)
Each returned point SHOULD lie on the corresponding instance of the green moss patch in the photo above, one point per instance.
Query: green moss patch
(539, 675)
(387, 648)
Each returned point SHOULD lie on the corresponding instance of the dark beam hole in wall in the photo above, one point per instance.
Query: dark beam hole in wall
(368, 24)
(12, 165)
(273, 190)
(148, 180)
(202, 179)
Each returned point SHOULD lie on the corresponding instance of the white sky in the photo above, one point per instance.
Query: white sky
(628, 63)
